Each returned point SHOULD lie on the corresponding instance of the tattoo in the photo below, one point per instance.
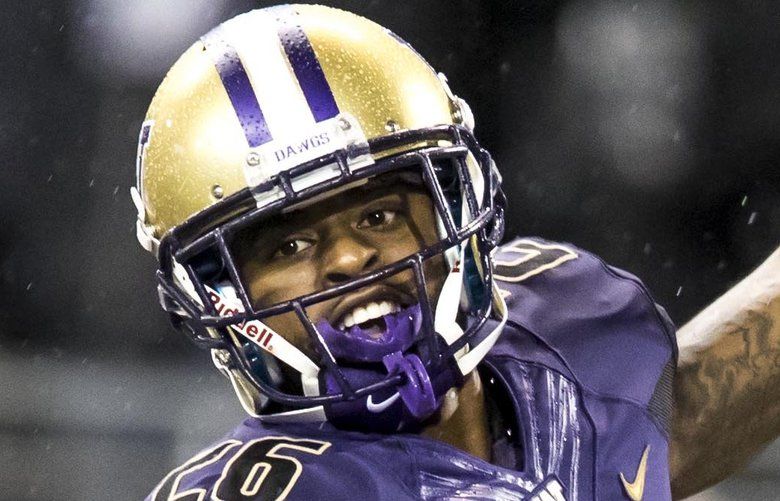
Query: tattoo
(727, 401)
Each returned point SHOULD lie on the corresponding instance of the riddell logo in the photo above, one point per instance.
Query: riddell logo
(252, 329)
(307, 144)
(222, 309)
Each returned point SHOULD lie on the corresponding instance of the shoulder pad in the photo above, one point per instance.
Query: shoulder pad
(600, 321)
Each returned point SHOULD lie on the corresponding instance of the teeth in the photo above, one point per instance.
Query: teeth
(360, 315)
(368, 312)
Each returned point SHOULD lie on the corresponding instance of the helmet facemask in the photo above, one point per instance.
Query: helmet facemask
(392, 376)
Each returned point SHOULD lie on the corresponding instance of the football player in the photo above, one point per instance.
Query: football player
(326, 224)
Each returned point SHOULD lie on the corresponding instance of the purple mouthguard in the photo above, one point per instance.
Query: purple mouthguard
(358, 345)
(393, 409)
(417, 391)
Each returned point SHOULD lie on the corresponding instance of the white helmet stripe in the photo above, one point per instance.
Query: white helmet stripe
(255, 38)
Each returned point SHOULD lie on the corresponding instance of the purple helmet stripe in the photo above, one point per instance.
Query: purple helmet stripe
(143, 141)
(145, 130)
(305, 65)
(239, 89)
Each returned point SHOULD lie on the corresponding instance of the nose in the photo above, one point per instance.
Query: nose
(346, 258)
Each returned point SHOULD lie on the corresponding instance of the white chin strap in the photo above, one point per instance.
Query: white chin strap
(227, 303)
(468, 362)
(449, 302)
(447, 311)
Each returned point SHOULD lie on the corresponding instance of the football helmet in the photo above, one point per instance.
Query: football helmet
(276, 110)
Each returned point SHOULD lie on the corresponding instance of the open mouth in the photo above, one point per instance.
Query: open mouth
(369, 332)
(370, 319)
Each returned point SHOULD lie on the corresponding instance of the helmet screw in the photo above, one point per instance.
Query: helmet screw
(253, 158)
(217, 191)
(391, 126)
(344, 124)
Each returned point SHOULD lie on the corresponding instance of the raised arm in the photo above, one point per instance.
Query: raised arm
(727, 388)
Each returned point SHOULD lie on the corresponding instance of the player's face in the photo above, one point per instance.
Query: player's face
(337, 240)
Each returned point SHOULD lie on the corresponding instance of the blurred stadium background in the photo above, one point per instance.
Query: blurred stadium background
(644, 131)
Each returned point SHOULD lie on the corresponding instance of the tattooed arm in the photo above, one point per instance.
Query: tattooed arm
(727, 388)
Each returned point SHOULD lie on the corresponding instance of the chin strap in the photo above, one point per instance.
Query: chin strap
(227, 303)
(449, 302)
(468, 362)
(447, 311)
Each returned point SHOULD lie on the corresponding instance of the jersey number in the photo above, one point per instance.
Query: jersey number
(525, 258)
(259, 470)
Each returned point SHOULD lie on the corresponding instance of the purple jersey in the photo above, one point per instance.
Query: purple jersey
(579, 392)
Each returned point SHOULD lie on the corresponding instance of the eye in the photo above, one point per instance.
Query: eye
(292, 247)
(377, 218)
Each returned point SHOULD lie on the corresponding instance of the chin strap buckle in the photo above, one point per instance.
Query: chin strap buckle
(417, 391)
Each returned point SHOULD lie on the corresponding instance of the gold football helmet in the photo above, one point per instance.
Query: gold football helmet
(275, 110)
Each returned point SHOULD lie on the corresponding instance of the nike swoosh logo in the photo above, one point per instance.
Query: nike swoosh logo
(381, 406)
(636, 488)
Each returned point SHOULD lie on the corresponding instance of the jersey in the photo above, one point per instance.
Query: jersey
(579, 388)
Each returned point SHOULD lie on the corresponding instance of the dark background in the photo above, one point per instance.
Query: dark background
(646, 132)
